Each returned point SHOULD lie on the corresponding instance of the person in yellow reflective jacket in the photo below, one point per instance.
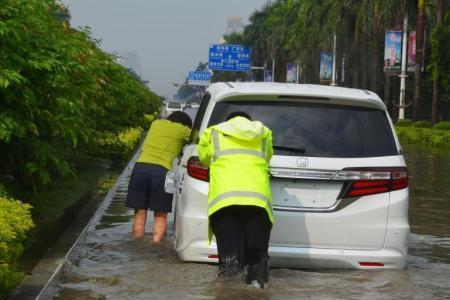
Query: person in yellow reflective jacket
(240, 213)
(163, 143)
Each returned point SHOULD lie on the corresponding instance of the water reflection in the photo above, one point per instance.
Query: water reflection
(109, 264)
(430, 192)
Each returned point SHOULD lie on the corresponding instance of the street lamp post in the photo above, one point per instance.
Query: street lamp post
(401, 109)
(333, 75)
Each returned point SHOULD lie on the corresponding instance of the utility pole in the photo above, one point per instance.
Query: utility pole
(273, 69)
(401, 110)
(333, 75)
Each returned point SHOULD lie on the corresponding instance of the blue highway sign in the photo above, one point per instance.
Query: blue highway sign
(199, 78)
(226, 57)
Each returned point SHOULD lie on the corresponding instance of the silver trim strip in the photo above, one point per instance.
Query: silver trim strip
(334, 175)
(338, 205)
(362, 175)
(303, 173)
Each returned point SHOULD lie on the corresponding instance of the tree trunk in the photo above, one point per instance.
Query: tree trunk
(420, 32)
(364, 63)
(435, 104)
(374, 51)
(356, 50)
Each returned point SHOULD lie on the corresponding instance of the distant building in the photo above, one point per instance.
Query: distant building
(130, 60)
(234, 25)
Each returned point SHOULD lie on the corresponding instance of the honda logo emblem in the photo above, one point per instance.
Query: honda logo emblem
(302, 162)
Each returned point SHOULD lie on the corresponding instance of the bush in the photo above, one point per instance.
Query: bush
(422, 124)
(58, 92)
(149, 118)
(117, 146)
(404, 123)
(424, 137)
(442, 125)
(15, 222)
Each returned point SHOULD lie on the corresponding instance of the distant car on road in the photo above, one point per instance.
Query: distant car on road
(172, 106)
(338, 177)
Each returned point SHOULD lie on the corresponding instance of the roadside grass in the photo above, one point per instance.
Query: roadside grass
(424, 137)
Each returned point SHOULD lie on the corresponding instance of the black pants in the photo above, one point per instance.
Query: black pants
(243, 232)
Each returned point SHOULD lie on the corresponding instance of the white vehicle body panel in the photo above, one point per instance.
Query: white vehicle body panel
(312, 229)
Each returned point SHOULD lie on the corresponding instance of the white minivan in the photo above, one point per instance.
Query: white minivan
(172, 106)
(338, 177)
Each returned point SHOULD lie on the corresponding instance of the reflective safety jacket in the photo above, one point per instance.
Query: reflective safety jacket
(164, 142)
(238, 153)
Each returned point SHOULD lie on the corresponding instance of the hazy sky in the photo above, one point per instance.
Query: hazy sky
(170, 36)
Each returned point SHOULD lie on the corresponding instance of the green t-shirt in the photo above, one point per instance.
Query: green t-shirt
(164, 142)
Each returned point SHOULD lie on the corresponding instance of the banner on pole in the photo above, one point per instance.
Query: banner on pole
(326, 67)
(393, 51)
(267, 76)
(292, 73)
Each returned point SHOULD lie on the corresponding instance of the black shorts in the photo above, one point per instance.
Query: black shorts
(146, 188)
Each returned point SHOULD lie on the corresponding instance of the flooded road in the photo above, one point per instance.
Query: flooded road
(109, 264)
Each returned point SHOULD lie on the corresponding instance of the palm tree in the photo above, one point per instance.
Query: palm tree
(435, 101)
(420, 33)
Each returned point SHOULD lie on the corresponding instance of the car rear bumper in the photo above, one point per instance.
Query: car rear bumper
(191, 245)
(291, 257)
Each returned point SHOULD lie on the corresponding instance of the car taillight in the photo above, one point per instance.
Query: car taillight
(369, 181)
(196, 170)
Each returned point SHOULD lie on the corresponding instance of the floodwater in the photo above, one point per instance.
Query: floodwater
(109, 264)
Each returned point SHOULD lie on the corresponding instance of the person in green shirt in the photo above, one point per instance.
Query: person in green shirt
(165, 140)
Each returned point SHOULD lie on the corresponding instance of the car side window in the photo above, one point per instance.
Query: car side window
(199, 118)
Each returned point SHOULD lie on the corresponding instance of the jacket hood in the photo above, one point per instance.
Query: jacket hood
(242, 128)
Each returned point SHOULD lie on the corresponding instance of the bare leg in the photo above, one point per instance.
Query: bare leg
(159, 226)
(140, 217)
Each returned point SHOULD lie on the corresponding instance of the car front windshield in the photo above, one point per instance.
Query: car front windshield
(318, 130)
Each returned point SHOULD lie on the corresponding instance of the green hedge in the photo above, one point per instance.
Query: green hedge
(445, 125)
(442, 125)
(422, 124)
(149, 118)
(424, 137)
(117, 146)
(58, 93)
(404, 123)
(15, 222)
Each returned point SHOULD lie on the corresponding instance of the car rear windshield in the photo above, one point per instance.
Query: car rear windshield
(174, 105)
(318, 130)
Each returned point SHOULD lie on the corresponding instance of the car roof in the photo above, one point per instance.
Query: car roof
(340, 95)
